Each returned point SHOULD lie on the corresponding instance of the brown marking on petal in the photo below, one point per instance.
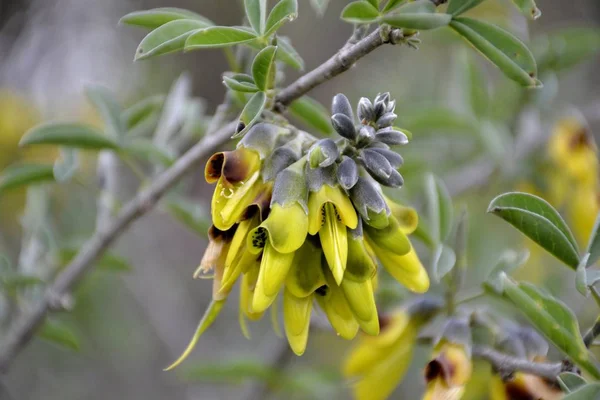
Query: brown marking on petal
(514, 391)
(236, 167)
(581, 139)
(214, 167)
(260, 204)
(384, 322)
(322, 291)
(217, 235)
(442, 367)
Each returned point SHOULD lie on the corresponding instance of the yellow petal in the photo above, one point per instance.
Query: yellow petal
(238, 259)
(296, 318)
(287, 227)
(274, 268)
(334, 241)
(306, 274)
(229, 202)
(360, 265)
(390, 238)
(335, 196)
(331, 299)
(211, 313)
(362, 303)
(406, 269)
(437, 390)
(407, 217)
(232, 166)
(379, 382)
(246, 294)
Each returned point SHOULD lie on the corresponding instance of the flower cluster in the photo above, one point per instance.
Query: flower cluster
(307, 218)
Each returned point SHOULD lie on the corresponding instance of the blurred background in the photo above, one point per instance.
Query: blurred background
(129, 325)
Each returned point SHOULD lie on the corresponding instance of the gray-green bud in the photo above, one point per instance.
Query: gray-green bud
(341, 105)
(391, 137)
(323, 153)
(344, 126)
(365, 110)
(347, 173)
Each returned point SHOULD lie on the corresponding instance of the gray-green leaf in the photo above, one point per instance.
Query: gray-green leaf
(593, 247)
(146, 150)
(109, 109)
(457, 7)
(391, 5)
(59, 333)
(108, 262)
(587, 392)
(553, 319)
(569, 382)
(503, 49)
(251, 112)
(360, 12)
(66, 166)
(285, 10)
(508, 261)
(168, 38)
(191, 214)
(264, 68)
(19, 175)
(288, 54)
(256, 11)
(439, 207)
(528, 8)
(238, 86)
(69, 135)
(581, 276)
(443, 261)
(142, 110)
(159, 16)
(538, 220)
(218, 36)
(312, 113)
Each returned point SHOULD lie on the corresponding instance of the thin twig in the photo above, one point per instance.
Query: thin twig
(25, 326)
(506, 364)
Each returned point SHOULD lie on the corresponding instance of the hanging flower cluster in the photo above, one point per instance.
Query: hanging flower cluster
(307, 218)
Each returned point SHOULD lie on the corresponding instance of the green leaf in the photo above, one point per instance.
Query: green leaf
(553, 319)
(593, 247)
(581, 276)
(443, 261)
(218, 36)
(440, 120)
(108, 262)
(68, 135)
(457, 7)
(238, 86)
(508, 261)
(439, 207)
(539, 221)
(15, 281)
(59, 333)
(146, 150)
(570, 382)
(159, 16)
(256, 11)
(109, 109)
(587, 392)
(142, 110)
(566, 48)
(391, 5)
(528, 8)
(503, 49)
(264, 68)
(288, 54)
(312, 113)
(285, 10)
(66, 166)
(360, 12)
(251, 112)
(191, 214)
(419, 15)
(19, 175)
(168, 38)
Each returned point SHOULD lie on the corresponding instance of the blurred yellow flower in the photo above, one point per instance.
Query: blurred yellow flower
(448, 373)
(524, 386)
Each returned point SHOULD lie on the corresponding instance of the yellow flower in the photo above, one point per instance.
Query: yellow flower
(524, 386)
(330, 212)
(378, 363)
(448, 373)
(237, 174)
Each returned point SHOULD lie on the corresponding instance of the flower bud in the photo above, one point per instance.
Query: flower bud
(394, 158)
(365, 110)
(281, 158)
(262, 138)
(366, 134)
(341, 105)
(377, 165)
(344, 126)
(391, 137)
(323, 153)
(369, 203)
(347, 173)
(386, 120)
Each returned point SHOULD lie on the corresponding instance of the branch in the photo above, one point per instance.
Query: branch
(340, 62)
(25, 326)
(506, 364)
